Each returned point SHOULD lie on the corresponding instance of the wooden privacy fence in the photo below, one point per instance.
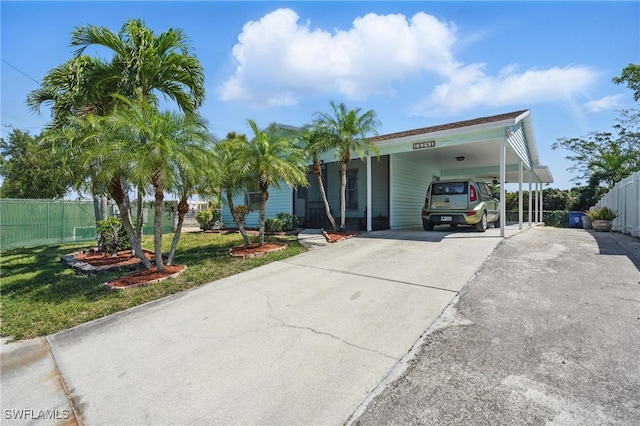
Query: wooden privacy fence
(625, 198)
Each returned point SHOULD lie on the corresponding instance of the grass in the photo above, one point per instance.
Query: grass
(40, 295)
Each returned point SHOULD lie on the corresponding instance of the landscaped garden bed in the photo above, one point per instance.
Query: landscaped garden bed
(41, 295)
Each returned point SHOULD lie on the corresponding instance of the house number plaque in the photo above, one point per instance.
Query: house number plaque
(423, 145)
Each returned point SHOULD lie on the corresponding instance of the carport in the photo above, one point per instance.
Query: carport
(500, 149)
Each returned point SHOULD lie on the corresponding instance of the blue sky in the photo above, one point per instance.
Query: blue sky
(416, 64)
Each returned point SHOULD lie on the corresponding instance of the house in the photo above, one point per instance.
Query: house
(388, 191)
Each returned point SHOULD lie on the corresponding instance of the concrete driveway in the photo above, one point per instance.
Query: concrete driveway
(299, 341)
(546, 333)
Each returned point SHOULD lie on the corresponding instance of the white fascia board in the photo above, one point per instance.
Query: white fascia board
(422, 136)
(543, 173)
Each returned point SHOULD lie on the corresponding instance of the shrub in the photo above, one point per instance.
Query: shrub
(273, 224)
(602, 213)
(289, 221)
(240, 212)
(207, 218)
(112, 237)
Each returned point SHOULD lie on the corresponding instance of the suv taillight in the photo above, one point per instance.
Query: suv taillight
(473, 194)
(426, 197)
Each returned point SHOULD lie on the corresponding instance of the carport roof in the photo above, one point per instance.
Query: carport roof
(505, 121)
(510, 117)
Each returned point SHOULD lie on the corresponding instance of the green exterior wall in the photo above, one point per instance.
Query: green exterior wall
(409, 181)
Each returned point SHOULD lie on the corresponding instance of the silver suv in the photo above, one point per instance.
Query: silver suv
(460, 202)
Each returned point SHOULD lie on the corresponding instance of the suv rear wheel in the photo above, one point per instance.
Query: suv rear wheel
(482, 225)
(427, 226)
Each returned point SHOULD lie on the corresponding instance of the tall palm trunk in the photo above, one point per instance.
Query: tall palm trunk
(157, 222)
(139, 216)
(343, 197)
(239, 222)
(119, 195)
(317, 170)
(104, 206)
(183, 209)
(264, 196)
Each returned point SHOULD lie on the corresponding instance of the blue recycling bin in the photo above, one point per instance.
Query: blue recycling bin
(575, 219)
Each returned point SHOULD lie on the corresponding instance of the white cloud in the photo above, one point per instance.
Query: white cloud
(280, 61)
(469, 87)
(607, 103)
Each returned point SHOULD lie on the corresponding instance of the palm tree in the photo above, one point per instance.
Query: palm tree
(315, 143)
(272, 158)
(162, 150)
(109, 161)
(71, 92)
(230, 177)
(191, 179)
(348, 130)
(144, 63)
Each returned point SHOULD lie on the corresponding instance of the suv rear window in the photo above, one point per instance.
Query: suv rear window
(446, 188)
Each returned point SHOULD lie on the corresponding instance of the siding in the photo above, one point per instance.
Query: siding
(379, 186)
(280, 200)
(519, 145)
(333, 188)
(409, 181)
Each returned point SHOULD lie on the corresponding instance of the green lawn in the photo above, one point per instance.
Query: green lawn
(40, 295)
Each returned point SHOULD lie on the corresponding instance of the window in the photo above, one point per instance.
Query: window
(351, 192)
(252, 196)
(449, 188)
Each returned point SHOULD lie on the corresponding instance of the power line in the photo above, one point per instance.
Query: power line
(20, 71)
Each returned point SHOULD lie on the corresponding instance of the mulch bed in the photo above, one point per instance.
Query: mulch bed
(122, 258)
(93, 262)
(145, 277)
(254, 249)
(335, 236)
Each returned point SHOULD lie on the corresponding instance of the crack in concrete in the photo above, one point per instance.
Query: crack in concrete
(75, 408)
(314, 331)
(391, 280)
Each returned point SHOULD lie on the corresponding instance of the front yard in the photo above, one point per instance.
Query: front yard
(40, 295)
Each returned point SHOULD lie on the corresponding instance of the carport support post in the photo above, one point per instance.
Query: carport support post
(503, 177)
(541, 204)
(530, 196)
(537, 202)
(369, 193)
(520, 205)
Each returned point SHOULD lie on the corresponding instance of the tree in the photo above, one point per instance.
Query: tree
(272, 158)
(30, 168)
(190, 179)
(348, 130)
(316, 142)
(158, 148)
(557, 199)
(230, 176)
(72, 89)
(630, 75)
(601, 157)
(145, 63)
